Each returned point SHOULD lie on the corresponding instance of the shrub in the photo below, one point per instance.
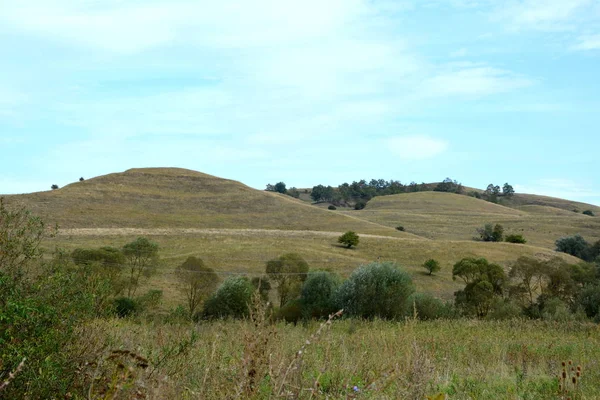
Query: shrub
(574, 245)
(589, 300)
(589, 212)
(81, 179)
(291, 312)
(318, 292)
(505, 309)
(514, 238)
(230, 300)
(400, 228)
(125, 307)
(375, 290)
(349, 239)
(427, 307)
(54, 186)
(332, 207)
(359, 205)
(432, 266)
(491, 233)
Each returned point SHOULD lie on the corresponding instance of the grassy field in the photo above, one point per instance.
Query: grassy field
(247, 251)
(464, 359)
(234, 228)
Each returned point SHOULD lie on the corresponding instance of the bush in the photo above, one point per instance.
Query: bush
(427, 307)
(514, 238)
(332, 207)
(589, 212)
(505, 309)
(491, 233)
(574, 245)
(125, 307)
(349, 239)
(54, 186)
(400, 228)
(230, 300)
(589, 300)
(318, 292)
(360, 205)
(375, 290)
(432, 266)
(291, 312)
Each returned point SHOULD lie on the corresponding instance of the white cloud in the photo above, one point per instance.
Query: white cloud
(473, 81)
(545, 15)
(588, 42)
(417, 147)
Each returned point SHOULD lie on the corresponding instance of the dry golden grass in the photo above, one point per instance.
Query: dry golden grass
(179, 198)
(447, 216)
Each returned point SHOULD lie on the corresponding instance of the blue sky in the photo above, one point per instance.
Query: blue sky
(304, 92)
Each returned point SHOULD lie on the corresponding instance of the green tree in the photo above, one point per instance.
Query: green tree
(141, 257)
(574, 245)
(432, 266)
(54, 187)
(349, 239)
(288, 271)
(588, 212)
(197, 282)
(508, 190)
(231, 299)
(376, 290)
(491, 233)
(529, 275)
(484, 284)
(317, 297)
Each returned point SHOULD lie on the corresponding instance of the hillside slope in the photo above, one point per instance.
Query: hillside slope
(179, 198)
(447, 216)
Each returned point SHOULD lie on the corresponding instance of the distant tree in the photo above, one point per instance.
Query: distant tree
(231, 299)
(359, 205)
(197, 282)
(491, 233)
(376, 290)
(432, 266)
(588, 212)
(449, 185)
(491, 193)
(293, 192)
(141, 257)
(263, 285)
(507, 190)
(332, 207)
(349, 239)
(484, 283)
(529, 275)
(317, 297)
(81, 179)
(54, 186)
(514, 238)
(322, 193)
(279, 187)
(400, 228)
(288, 271)
(574, 245)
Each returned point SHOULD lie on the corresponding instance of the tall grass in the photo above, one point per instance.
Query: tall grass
(463, 359)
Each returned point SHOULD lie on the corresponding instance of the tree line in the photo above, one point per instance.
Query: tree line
(358, 193)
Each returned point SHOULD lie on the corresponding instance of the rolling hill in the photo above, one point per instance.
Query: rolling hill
(236, 229)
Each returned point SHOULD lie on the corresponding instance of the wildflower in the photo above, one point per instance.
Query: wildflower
(356, 389)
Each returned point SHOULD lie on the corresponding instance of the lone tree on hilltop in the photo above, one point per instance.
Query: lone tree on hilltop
(349, 239)
(432, 266)
(54, 186)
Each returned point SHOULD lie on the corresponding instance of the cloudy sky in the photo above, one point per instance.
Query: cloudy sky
(304, 92)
